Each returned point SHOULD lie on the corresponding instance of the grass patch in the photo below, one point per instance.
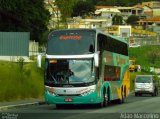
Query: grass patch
(18, 82)
(143, 57)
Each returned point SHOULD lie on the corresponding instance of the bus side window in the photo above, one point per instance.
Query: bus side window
(101, 49)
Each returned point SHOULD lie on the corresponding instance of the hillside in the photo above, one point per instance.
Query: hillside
(146, 56)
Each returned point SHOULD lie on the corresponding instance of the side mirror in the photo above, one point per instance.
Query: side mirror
(91, 49)
(39, 59)
(96, 59)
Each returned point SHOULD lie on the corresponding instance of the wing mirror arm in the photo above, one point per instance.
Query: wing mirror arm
(96, 58)
(39, 59)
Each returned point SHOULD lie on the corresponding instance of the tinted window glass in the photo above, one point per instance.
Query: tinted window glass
(112, 73)
(143, 79)
(109, 44)
(71, 42)
(69, 71)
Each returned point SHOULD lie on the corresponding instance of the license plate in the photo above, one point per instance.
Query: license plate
(68, 100)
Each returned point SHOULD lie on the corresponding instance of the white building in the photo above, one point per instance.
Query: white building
(88, 23)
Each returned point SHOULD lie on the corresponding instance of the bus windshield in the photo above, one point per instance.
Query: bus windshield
(69, 71)
(71, 42)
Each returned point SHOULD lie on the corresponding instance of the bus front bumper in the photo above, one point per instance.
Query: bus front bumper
(88, 99)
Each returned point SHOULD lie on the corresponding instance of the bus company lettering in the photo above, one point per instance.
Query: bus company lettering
(64, 37)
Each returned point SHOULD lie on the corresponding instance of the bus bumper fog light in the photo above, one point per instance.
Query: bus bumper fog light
(50, 90)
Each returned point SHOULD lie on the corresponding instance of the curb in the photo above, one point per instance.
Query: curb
(2, 108)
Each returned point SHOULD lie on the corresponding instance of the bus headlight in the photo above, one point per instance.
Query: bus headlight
(50, 90)
(87, 92)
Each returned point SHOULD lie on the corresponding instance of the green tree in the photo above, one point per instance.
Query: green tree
(66, 9)
(132, 20)
(24, 16)
(117, 20)
(83, 8)
(106, 2)
(122, 2)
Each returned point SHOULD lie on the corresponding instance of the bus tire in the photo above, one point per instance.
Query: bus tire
(102, 104)
(106, 99)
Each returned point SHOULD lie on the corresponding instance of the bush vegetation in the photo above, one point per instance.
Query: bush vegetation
(146, 56)
(20, 81)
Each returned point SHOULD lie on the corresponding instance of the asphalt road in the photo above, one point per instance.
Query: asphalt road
(144, 107)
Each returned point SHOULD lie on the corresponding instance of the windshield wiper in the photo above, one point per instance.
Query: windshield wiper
(53, 77)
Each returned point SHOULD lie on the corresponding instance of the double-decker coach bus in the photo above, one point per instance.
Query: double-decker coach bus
(85, 66)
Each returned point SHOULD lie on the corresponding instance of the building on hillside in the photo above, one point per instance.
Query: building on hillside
(156, 12)
(87, 23)
(140, 32)
(151, 24)
(152, 4)
(140, 11)
(124, 11)
(148, 11)
(152, 8)
(128, 11)
(107, 12)
(119, 30)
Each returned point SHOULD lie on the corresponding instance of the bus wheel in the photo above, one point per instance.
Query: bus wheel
(105, 101)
